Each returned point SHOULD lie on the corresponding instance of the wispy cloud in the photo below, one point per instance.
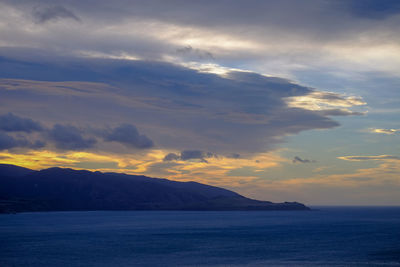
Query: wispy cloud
(379, 185)
(385, 131)
(325, 101)
(364, 158)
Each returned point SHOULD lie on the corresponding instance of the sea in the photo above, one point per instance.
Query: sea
(324, 236)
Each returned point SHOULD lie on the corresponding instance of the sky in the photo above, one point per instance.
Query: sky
(288, 100)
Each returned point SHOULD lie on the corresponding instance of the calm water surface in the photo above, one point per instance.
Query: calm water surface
(324, 237)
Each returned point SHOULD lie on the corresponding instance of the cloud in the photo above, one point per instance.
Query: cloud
(23, 142)
(68, 137)
(364, 158)
(128, 134)
(340, 112)
(297, 159)
(187, 109)
(280, 37)
(324, 101)
(10, 142)
(234, 155)
(165, 84)
(6, 141)
(190, 155)
(196, 154)
(13, 123)
(171, 157)
(37, 144)
(194, 53)
(45, 14)
(386, 131)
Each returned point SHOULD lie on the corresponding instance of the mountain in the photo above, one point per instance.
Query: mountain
(59, 189)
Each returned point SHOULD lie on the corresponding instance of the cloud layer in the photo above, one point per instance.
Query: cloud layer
(12, 123)
(182, 109)
(276, 37)
(150, 87)
(18, 132)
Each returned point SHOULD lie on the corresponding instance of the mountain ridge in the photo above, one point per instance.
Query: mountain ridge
(64, 189)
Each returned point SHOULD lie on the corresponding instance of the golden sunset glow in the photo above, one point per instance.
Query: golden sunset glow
(271, 99)
(213, 171)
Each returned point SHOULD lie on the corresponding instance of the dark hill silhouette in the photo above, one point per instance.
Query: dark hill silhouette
(13, 171)
(58, 189)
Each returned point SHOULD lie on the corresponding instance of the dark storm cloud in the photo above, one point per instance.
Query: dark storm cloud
(128, 134)
(68, 137)
(6, 141)
(184, 109)
(190, 155)
(300, 160)
(13, 123)
(9, 142)
(45, 14)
